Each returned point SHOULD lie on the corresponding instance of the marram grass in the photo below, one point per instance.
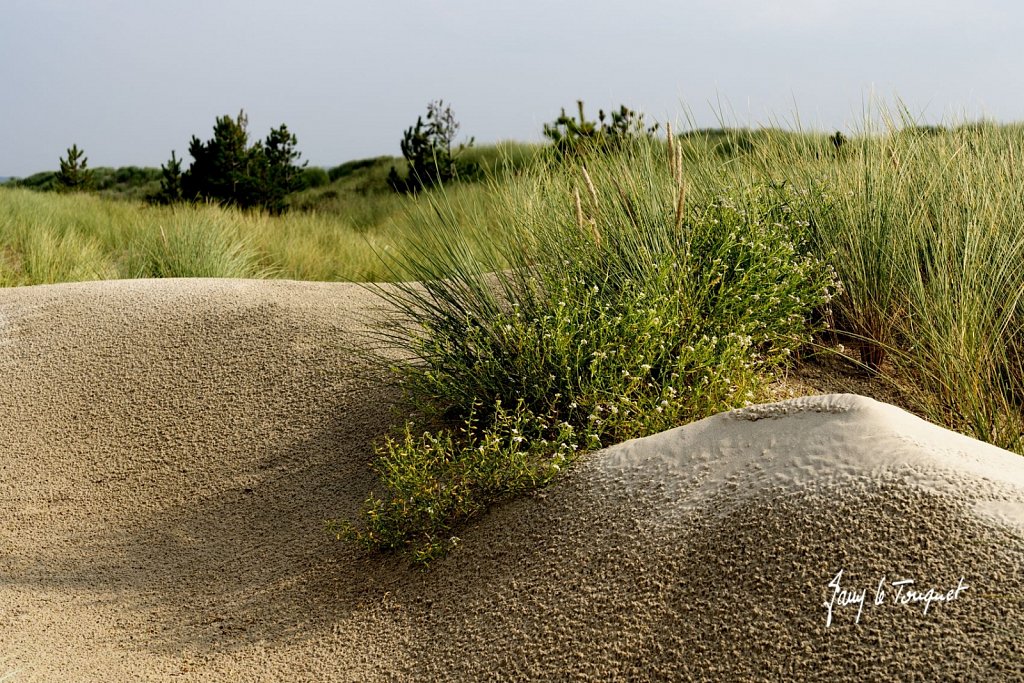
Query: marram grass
(48, 237)
(601, 319)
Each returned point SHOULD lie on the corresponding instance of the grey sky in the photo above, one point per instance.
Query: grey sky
(130, 80)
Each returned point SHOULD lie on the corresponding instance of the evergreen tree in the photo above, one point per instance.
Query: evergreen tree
(222, 167)
(170, 185)
(227, 170)
(573, 136)
(279, 175)
(429, 149)
(73, 175)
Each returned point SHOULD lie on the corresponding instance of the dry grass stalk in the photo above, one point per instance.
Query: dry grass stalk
(579, 207)
(590, 186)
(680, 205)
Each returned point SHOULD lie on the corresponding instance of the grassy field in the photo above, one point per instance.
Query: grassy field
(336, 232)
(636, 289)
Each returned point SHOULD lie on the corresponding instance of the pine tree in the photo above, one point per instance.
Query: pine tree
(73, 175)
(574, 136)
(170, 185)
(227, 170)
(279, 175)
(222, 167)
(429, 149)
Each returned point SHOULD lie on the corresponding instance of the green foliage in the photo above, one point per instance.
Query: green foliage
(171, 191)
(430, 152)
(278, 172)
(313, 176)
(926, 229)
(574, 136)
(86, 236)
(621, 315)
(73, 175)
(44, 181)
(226, 169)
(351, 167)
(838, 140)
(222, 168)
(437, 480)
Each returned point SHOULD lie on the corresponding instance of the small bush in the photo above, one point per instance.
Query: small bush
(313, 176)
(571, 136)
(437, 480)
(622, 315)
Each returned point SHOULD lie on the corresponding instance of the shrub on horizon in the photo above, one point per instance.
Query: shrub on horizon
(572, 136)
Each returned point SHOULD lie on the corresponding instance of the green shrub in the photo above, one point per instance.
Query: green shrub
(313, 176)
(571, 136)
(437, 480)
(622, 315)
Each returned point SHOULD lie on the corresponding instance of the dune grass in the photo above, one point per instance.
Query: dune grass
(641, 293)
(926, 231)
(616, 309)
(47, 238)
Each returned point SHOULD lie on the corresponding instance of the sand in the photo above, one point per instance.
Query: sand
(169, 450)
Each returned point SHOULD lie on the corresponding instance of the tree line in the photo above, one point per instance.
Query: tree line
(226, 169)
(229, 169)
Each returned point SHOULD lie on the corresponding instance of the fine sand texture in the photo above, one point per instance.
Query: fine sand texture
(169, 450)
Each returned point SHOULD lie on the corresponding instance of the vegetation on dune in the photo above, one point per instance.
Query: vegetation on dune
(572, 136)
(609, 324)
(129, 182)
(927, 233)
(607, 285)
(317, 244)
(625, 311)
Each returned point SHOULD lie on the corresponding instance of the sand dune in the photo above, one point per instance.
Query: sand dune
(169, 449)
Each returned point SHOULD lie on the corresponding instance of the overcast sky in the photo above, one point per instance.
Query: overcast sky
(130, 80)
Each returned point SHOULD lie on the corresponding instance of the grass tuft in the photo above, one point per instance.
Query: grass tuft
(576, 336)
